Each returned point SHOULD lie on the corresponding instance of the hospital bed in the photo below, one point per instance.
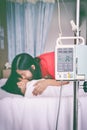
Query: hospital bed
(41, 112)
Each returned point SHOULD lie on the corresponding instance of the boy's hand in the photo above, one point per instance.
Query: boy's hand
(22, 84)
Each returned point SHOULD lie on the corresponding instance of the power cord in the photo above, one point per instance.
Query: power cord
(59, 104)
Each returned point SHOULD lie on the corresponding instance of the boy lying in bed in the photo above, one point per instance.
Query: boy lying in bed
(26, 68)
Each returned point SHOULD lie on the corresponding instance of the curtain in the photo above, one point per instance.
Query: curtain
(32, 1)
(2, 35)
(27, 26)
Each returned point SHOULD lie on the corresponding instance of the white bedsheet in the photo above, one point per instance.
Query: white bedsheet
(40, 112)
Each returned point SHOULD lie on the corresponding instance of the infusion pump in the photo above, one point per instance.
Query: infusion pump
(70, 60)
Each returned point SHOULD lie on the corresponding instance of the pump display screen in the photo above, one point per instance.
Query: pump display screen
(65, 59)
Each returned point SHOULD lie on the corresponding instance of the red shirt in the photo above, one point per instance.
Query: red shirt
(47, 64)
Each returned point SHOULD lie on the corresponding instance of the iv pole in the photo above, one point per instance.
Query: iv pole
(76, 83)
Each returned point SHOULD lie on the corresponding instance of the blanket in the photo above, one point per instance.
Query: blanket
(40, 112)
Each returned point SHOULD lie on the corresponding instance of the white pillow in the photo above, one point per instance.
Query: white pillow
(2, 81)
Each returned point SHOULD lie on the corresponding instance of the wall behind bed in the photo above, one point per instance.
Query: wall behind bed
(68, 9)
(68, 12)
(3, 36)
